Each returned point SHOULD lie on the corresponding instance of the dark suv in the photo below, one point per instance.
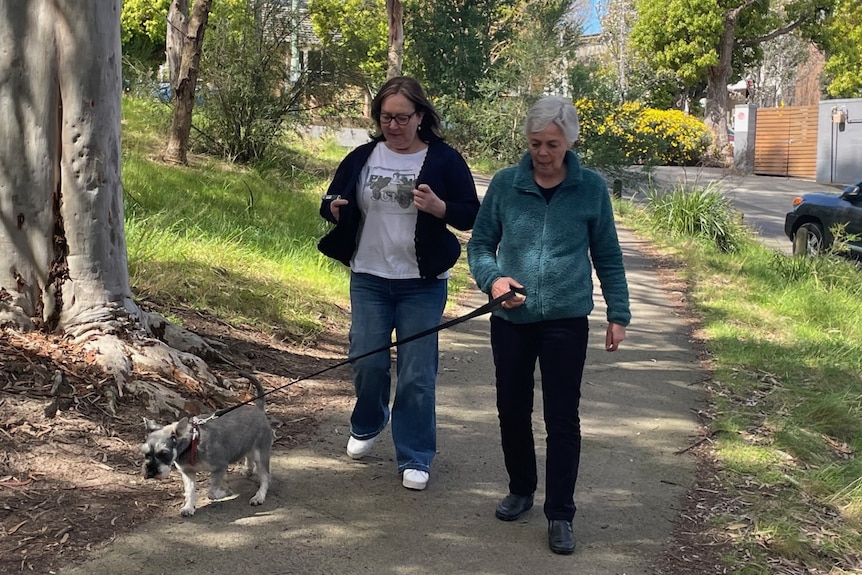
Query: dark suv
(809, 226)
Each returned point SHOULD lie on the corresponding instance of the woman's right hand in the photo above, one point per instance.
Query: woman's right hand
(335, 207)
(503, 286)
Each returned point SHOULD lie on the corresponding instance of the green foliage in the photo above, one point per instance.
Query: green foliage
(600, 146)
(614, 135)
(699, 213)
(143, 26)
(449, 44)
(246, 101)
(485, 118)
(355, 40)
(143, 31)
(590, 80)
(147, 18)
(488, 128)
(679, 35)
(685, 36)
(842, 40)
(544, 38)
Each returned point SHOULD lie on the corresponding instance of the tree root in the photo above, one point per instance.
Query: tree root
(160, 363)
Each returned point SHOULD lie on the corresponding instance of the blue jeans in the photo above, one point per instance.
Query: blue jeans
(408, 306)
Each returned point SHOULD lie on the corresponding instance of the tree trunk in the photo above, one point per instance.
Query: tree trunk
(63, 261)
(178, 22)
(716, 86)
(395, 16)
(184, 90)
(64, 249)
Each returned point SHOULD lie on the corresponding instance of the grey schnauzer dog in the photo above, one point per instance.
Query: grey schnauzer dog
(211, 446)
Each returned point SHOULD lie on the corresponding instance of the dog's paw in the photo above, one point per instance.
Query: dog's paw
(187, 511)
(258, 499)
(218, 493)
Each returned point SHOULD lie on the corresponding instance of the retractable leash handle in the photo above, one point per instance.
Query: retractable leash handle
(487, 308)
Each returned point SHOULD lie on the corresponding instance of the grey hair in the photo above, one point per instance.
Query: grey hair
(553, 110)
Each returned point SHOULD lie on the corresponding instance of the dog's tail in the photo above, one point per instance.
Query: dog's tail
(261, 394)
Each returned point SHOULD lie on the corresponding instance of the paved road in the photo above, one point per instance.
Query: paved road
(763, 200)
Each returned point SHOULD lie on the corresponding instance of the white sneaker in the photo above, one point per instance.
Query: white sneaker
(359, 448)
(415, 479)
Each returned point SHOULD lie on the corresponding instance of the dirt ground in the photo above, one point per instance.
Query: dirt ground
(70, 472)
(70, 479)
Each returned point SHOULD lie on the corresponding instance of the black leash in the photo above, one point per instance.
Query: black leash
(487, 308)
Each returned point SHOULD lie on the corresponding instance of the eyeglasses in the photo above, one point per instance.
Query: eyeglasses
(400, 119)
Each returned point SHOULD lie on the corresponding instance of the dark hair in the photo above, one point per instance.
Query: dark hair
(410, 88)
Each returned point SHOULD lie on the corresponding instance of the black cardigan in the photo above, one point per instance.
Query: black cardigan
(437, 248)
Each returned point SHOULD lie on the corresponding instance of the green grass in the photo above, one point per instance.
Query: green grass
(784, 336)
(240, 242)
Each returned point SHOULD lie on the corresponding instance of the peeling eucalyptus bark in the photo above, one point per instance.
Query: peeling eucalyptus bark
(63, 260)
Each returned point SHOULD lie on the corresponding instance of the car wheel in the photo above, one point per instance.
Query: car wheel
(808, 240)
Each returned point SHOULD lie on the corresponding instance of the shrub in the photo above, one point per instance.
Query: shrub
(674, 137)
(632, 134)
(700, 213)
(489, 129)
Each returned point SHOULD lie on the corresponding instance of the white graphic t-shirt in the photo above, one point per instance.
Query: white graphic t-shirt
(385, 191)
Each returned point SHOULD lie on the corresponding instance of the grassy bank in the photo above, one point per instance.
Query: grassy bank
(783, 337)
(237, 241)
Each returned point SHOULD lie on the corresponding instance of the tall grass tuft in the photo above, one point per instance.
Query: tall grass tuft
(699, 213)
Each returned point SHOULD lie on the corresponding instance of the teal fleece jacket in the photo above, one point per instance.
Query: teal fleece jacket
(548, 247)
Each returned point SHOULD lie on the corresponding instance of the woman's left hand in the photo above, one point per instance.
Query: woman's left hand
(615, 335)
(427, 201)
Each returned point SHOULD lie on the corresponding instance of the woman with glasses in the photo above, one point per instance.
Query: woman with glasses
(391, 201)
(544, 224)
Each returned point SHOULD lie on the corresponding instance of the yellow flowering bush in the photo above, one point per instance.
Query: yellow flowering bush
(633, 134)
(672, 137)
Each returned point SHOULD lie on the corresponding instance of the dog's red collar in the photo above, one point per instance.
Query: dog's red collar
(195, 437)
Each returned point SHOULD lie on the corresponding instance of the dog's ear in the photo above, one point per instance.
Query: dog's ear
(151, 425)
(182, 427)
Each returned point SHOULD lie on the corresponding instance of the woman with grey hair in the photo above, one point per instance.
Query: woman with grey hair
(543, 227)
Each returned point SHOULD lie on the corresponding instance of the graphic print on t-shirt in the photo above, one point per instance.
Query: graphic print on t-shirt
(396, 188)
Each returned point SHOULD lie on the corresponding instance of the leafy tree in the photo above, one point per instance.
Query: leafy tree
(63, 259)
(354, 36)
(707, 40)
(451, 43)
(143, 26)
(542, 39)
(247, 98)
(842, 41)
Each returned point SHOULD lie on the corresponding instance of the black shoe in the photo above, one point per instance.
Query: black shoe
(561, 539)
(513, 506)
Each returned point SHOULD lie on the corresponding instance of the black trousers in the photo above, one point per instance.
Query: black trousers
(560, 346)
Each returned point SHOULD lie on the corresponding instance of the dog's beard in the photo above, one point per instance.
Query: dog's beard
(157, 463)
